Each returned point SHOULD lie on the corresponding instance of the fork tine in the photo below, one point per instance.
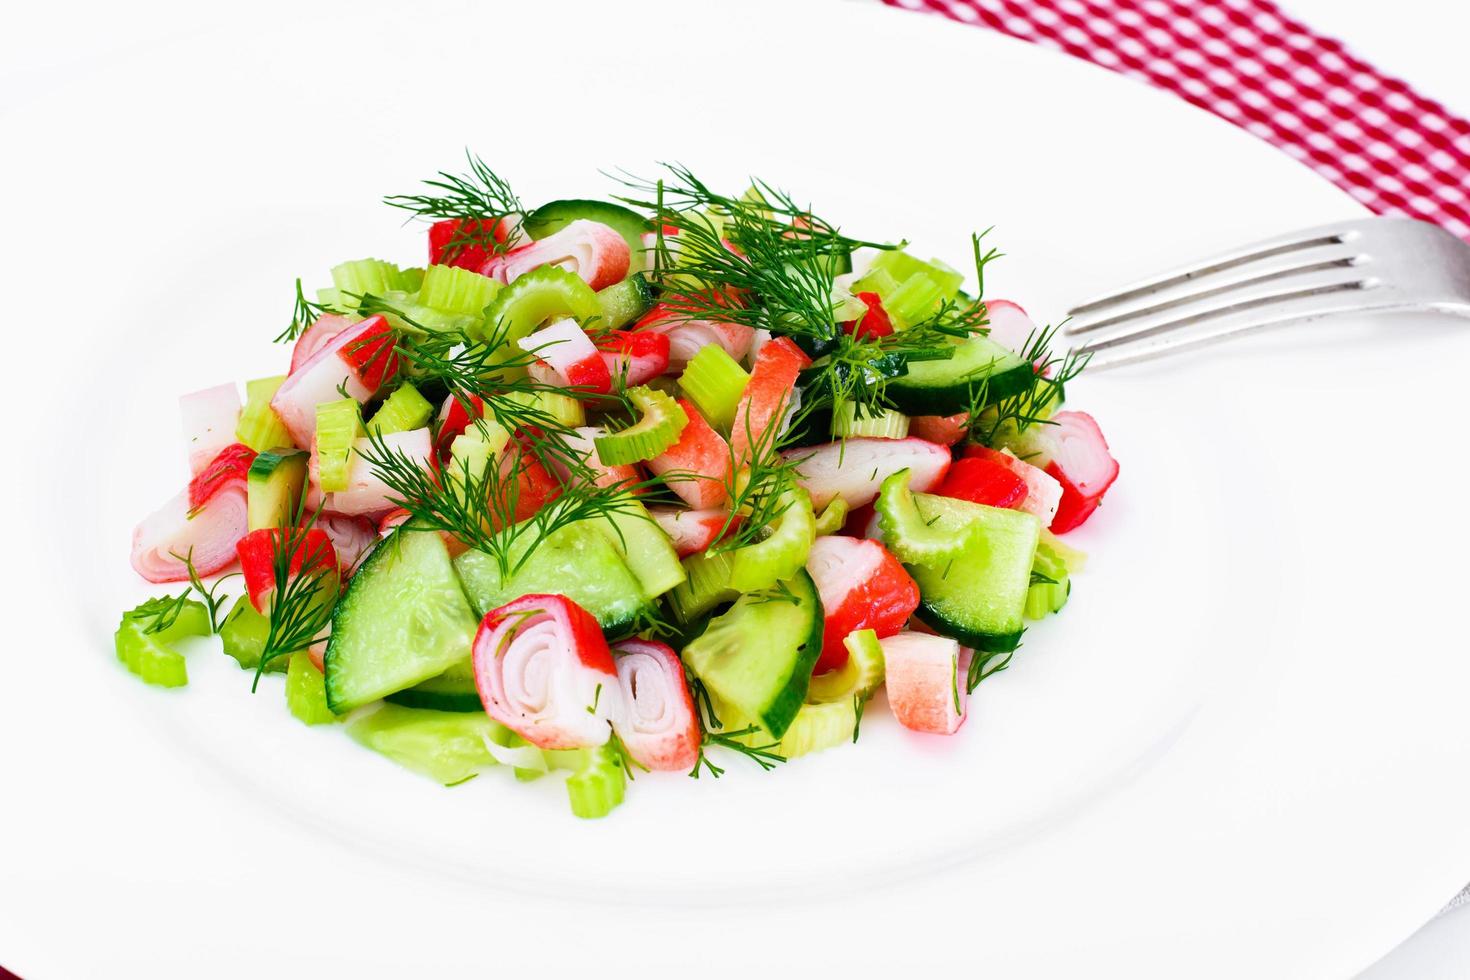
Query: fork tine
(1194, 311)
(1256, 272)
(1280, 248)
(1279, 312)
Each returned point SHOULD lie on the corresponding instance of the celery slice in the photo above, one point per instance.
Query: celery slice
(833, 517)
(909, 536)
(659, 427)
(902, 267)
(858, 678)
(916, 299)
(596, 789)
(817, 727)
(455, 290)
(536, 297)
(878, 281)
(714, 382)
(403, 410)
(338, 426)
(411, 280)
(886, 424)
(706, 586)
(362, 276)
(561, 409)
(244, 633)
(306, 691)
(145, 638)
(1051, 584)
(259, 426)
(761, 565)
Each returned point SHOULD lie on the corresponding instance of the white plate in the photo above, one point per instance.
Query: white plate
(1239, 751)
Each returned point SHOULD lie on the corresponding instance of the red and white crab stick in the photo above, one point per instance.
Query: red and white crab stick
(203, 523)
(544, 671)
(657, 724)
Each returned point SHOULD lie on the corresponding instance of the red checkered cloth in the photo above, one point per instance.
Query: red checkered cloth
(1244, 60)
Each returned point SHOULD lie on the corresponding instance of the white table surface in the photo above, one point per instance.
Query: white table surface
(1422, 41)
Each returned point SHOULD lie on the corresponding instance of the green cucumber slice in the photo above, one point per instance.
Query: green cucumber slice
(577, 561)
(553, 216)
(453, 690)
(644, 547)
(623, 302)
(979, 598)
(757, 656)
(944, 387)
(273, 487)
(403, 620)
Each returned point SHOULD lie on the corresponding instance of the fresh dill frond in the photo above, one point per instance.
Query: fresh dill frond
(985, 664)
(991, 423)
(163, 610)
(208, 596)
(712, 734)
(305, 579)
(481, 195)
(303, 314)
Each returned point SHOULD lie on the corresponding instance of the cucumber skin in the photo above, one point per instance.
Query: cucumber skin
(340, 701)
(436, 700)
(955, 398)
(776, 714)
(553, 216)
(937, 596)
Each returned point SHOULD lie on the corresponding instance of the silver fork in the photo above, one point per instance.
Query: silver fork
(1371, 265)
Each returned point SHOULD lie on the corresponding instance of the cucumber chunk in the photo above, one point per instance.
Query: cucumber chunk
(403, 620)
(980, 597)
(273, 487)
(757, 657)
(577, 561)
(944, 387)
(645, 548)
(453, 690)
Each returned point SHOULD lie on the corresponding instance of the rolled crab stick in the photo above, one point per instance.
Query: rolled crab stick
(657, 723)
(697, 467)
(356, 361)
(203, 523)
(544, 671)
(1043, 491)
(1073, 451)
(312, 555)
(688, 336)
(566, 347)
(862, 587)
(692, 531)
(318, 335)
(589, 249)
(635, 356)
(209, 418)
(767, 396)
(855, 468)
(923, 676)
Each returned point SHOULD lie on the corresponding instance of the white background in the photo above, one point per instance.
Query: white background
(1419, 40)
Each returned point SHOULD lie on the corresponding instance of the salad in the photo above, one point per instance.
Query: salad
(628, 486)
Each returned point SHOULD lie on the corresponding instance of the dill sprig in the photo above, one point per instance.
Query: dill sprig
(303, 314)
(212, 601)
(480, 505)
(712, 734)
(761, 260)
(985, 664)
(164, 610)
(304, 577)
(993, 423)
(481, 195)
